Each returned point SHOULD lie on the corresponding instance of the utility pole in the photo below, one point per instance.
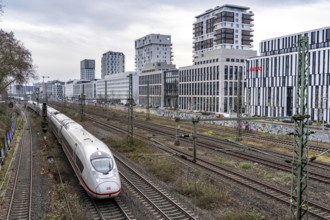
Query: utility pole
(130, 108)
(44, 87)
(177, 141)
(106, 98)
(239, 98)
(148, 104)
(299, 195)
(82, 104)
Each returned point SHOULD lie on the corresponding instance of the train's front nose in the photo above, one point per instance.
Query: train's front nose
(108, 189)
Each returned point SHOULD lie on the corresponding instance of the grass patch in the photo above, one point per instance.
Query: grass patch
(282, 177)
(203, 193)
(163, 168)
(60, 209)
(135, 150)
(229, 163)
(324, 158)
(245, 165)
(211, 133)
(243, 215)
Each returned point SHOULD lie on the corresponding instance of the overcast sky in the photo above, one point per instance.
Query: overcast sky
(61, 33)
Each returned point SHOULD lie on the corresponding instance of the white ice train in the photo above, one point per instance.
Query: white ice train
(90, 158)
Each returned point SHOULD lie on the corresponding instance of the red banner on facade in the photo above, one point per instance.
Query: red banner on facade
(256, 68)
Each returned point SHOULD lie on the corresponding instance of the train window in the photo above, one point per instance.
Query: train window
(102, 164)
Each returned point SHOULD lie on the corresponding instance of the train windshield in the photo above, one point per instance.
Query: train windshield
(102, 164)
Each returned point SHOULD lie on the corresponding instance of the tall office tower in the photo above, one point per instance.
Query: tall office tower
(112, 63)
(228, 26)
(87, 69)
(222, 39)
(151, 49)
(271, 78)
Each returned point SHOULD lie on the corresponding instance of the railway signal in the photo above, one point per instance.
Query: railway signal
(44, 123)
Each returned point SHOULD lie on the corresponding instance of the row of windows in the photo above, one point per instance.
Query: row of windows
(151, 79)
(265, 102)
(210, 89)
(209, 104)
(199, 74)
(207, 61)
(317, 39)
(154, 101)
(232, 72)
(153, 90)
(229, 104)
(286, 65)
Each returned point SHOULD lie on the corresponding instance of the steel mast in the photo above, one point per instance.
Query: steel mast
(299, 192)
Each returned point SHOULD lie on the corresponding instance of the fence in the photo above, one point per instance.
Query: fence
(7, 140)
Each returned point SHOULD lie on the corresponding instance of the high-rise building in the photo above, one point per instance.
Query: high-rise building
(151, 49)
(112, 63)
(58, 91)
(222, 42)
(228, 26)
(87, 69)
(271, 78)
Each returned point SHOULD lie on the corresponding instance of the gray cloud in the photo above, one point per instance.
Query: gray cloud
(72, 30)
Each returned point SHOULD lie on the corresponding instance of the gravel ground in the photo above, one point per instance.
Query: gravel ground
(46, 180)
(42, 183)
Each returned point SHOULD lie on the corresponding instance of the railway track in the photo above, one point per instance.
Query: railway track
(284, 142)
(21, 196)
(244, 153)
(316, 210)
(319, 171)
(159, 203)
(110, 209)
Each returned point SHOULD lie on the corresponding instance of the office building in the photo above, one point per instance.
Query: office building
(222, 39)
(271, 77)
(87, 69)
(158, 85)
(115, 87)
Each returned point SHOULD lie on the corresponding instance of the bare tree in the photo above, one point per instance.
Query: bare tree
(15, 61)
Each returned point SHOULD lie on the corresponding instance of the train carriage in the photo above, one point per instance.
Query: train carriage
(90, 158)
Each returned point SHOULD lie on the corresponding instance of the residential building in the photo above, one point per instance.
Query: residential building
(228, 26)
(152, 48)
(272, 77)
(112, 63)
(58, 91)
(87, 69)
(222, 40)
